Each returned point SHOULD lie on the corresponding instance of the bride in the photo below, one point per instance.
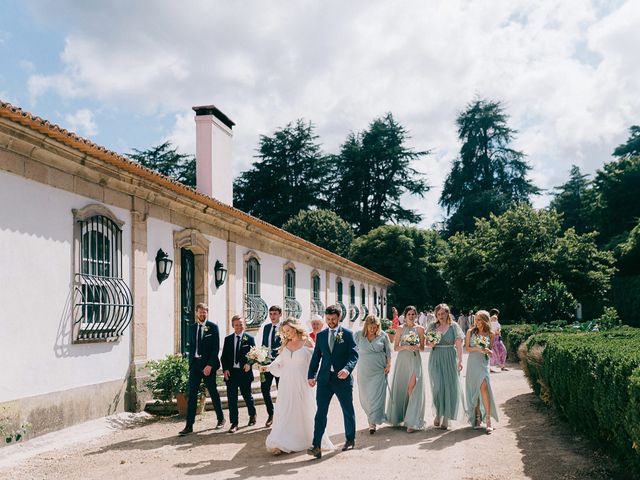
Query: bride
(295, 408)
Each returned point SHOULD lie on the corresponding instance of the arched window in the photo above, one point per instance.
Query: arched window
(352, 293)
(317, 307)
(290, 283)
(363, 296)
(255, 308)
(103, 303)
(253, 277)
(292, 307)
(339, 290)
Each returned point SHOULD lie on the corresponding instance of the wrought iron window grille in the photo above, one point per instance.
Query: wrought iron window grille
(364, 311)
(255, 310)
(354, 312)
(343, 308)
(102, 301)
(292, 307)
(317, 307)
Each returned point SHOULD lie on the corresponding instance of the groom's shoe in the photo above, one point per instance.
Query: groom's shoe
(348, 445)
(315, 452)
(233, 428)
(252, 420)
(220, 424)
(185, 431)
(269, 421)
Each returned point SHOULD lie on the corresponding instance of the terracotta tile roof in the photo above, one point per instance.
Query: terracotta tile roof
(83, 145)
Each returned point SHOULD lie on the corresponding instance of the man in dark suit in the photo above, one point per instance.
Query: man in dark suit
(204, 346)
(336, 355)
(237, 372)
(271, 340)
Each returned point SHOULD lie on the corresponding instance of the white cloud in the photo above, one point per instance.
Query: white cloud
(567, 71)
(81, 122)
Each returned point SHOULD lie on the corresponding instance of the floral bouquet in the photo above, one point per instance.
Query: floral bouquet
(259, 355)
(483, 342)
(411, 338)
(434, 337)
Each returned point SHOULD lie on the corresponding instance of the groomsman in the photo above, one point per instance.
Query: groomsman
(237, 372)
(271, 340)
(204, 346)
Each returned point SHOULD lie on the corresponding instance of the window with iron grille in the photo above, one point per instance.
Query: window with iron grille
(339, 290)
(317, 307)
(255, 308)
(103, 303)
(352, 293)
(292, 307)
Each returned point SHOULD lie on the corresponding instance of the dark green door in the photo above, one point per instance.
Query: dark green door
(187, 297)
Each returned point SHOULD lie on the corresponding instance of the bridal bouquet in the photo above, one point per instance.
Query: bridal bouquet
(483, 342)
(259, 355)
(411, 338)
(434, 337)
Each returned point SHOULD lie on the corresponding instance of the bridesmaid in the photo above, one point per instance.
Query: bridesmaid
(445, 364)
(407, 402)
(478, 382)
(374, 363)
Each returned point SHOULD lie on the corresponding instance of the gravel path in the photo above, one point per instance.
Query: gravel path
(529, 443)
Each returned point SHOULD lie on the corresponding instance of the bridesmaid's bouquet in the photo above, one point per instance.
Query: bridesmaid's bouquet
(259, 355)
(411, 338)
(434, 337)
(483, 342)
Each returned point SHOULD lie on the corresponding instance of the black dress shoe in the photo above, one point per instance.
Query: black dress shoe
(269, 421)
(220, 424)
(348, 445)
(252, 420)
(233, 428)
(185, 431)
(315, 452)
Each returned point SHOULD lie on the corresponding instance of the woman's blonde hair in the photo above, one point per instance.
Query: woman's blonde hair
(445, 307)
(484, 318)
(294, 323)
(368, 320)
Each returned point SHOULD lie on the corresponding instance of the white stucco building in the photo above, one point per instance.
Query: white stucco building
(82, 309)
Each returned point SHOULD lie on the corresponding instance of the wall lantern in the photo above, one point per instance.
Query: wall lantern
(163, 265)
(220, 273)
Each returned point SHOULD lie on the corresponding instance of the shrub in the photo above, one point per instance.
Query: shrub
(169, 376)
(545, 302)
(593, 381)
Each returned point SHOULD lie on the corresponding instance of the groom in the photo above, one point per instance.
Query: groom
(335, 353)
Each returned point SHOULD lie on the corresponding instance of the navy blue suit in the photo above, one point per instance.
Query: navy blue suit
(343, 357)
(208, 347)
(238, 378)
(265, 386)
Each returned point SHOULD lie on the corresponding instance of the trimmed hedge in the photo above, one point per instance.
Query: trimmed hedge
(515, 335)
(593, 381)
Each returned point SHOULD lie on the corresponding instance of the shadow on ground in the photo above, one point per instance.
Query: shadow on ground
(551, 449)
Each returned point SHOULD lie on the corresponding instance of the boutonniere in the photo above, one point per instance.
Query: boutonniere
(245, 339)
(206, 328)
(339, 337)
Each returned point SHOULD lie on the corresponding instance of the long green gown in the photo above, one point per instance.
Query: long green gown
(402, 409)
(444, 376)
(477, 372)
(372, 381)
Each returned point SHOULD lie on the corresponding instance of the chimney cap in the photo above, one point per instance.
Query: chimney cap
(213, 110)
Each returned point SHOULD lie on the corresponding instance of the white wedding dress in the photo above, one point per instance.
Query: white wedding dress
(295, 408)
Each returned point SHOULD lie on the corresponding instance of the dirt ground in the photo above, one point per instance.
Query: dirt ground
(528, 443)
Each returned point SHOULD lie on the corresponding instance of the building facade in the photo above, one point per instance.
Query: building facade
(83, 235)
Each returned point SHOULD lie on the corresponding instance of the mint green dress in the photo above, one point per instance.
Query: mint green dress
(402, 409)
(477, 372)
(444, 376)
(372, 381)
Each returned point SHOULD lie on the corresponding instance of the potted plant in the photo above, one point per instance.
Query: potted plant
(392, 334)
(170, 379)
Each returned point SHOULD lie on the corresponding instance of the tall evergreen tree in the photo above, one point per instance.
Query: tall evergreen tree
(631, 147)
(166, 160)
(574, 200)
(489, 175)
(290, 175)
(372, 171)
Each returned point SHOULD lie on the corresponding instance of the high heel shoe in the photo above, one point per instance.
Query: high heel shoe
(478, 423)
(490, 429)
(436, 422)
(372, 429)
(445, 424)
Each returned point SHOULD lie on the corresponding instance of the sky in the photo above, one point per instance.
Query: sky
(126, 74)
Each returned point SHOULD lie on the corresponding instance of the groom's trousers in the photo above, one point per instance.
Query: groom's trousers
(195, 379)
(343, 389)
(265, 387)
(238, 379)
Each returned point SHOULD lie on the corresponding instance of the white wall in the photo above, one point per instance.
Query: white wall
(160, 297)
(218, 296)
(36, 273)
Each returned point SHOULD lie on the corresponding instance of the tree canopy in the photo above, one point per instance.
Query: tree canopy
(289, 176)
(631, 148)
(574, 200)
(488, 175)
(410, 256)
(166, 160)
(372, 172)
(505, 255)
(325, 228)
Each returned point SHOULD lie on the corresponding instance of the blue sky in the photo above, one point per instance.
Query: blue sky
(126, 74)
